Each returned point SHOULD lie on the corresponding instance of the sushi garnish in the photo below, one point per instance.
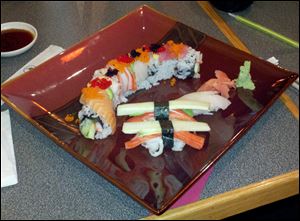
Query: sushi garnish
(134, 53)
(222, 83)
(111, 72)
(244, 79)
(102, 83)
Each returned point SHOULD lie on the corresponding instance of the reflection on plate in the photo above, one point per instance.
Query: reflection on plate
(50, 91)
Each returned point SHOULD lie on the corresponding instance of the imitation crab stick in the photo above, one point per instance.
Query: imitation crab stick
(190, 139)
(174, 114)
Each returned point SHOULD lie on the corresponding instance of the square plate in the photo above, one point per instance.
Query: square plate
(47, 93)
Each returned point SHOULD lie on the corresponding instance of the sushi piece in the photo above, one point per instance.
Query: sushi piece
(161, 110)
(97, 117)
(159, 135)
(141, 68)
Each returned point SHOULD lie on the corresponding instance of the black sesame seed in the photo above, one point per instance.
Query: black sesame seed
(111, 72)
(155, 47)
(134, 54)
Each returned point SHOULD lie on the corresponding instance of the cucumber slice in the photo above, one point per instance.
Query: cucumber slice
(128, 109)
(110, 93)
(131, 67)
(188, 112)
(152, 127)
(88, 128)
(135, 114)
(184, 104)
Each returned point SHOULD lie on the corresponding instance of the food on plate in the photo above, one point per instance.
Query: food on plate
(141, 68)
(69, 118)
(213, 98)
(172, 82)
(172, 115)
(97, 116)
(244, 79)
(158, 135)
(162, 110)
(221, 84)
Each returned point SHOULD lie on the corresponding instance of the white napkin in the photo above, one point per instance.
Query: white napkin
(8, 162)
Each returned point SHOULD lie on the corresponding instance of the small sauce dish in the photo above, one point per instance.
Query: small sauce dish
(16, 38)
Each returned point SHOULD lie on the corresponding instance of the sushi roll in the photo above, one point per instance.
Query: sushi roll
(140, 69)
(164, 134)
(97, 117)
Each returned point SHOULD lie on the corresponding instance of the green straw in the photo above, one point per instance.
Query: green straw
(265, 30)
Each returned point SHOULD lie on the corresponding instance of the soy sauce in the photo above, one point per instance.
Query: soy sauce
(13, 39)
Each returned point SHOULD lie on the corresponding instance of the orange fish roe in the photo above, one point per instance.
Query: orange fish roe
(172, 82)
(92, 93)
(144, 55)
(170, 42)
(69, 118)
(120, 66)
(175, 49)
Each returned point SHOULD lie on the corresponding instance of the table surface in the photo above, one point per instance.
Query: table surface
(54, 185)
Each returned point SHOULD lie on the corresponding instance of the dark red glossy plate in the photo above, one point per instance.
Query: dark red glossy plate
(46, 94)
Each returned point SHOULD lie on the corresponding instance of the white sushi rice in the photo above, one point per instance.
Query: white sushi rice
(155, 146)
(161, 71)
(157, 71)
(99, 72)
(178, 145)
(186, 65)
(102, 131)
(105, 132)
(86, 111)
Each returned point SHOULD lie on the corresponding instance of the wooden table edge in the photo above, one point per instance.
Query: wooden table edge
(236, 201)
